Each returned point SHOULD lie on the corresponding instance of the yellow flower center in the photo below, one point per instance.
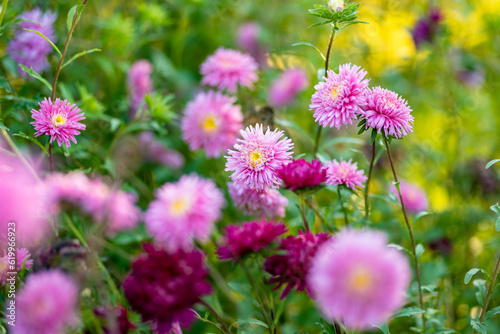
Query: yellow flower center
(360, 280)
(255, 158)
(3, 265)
(335, 91)
(179, 207)
(58, 120)
(209, 125)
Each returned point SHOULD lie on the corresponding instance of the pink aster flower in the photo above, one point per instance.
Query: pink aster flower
(291, 269)
(344, 173)
(286, 87)
(139, 84)
(123, 214)
(414, 197)
(28, 48)
(59, 120)
(163, 287)
(300, 174)
(46, 304)
(257, 157)
(255, 203)
(247, 38)
(7, 263)
(184, 211)
(153, 150)
(337, 99)
(211, 122)
(247, 238)
(358, 280)
(227, 68)
(385, 110)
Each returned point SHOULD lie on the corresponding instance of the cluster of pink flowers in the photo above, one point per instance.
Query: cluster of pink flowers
(414, 198)
(287, 86)
(301, 174)
(258, 203)
(345, 173)
(139, 84)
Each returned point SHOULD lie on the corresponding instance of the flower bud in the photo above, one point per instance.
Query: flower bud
(336, 5)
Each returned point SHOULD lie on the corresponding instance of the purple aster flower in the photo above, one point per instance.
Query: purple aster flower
(59, 120)
(163, 287)
(292, 268)
(227, 68)
(247, 238)
(385, 110)
(257, 157)
(46, 304)
(154, 151)
(211, 122)
(425, 29)
(139, 84)
(358, 280)
(247, 38)
(300, 174)
(22, 258)
(30, 49)
(414, 197)
(337, 99)
(255, 203)
(344, 173)
(184, 211)
(286, 87)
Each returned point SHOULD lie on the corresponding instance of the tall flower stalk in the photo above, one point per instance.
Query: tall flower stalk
(490, 291)
(367, 190)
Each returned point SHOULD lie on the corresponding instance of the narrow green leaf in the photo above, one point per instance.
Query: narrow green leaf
(312, 46)
(419, 215)
(491, 163)
(71, 14)
(45, 38)
(497, 225)
(480, 327)
(36, 76)
(31, 139)
(496, 208)
(491, 313)
(419, 250)
(78, 55)
(408, 311)
(471, 273)
(4, 84)
(2, 126)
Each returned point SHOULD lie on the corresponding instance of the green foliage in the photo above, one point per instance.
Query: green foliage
(339, 19)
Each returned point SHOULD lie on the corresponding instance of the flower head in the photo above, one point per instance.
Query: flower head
(139, 84)
(257, 157)
(46, 304)
(184, 211)
(425, 28)
(255, 203)
(287, 86)
(358, 280)
(414, 197)
(301, 174)
(337, 99)
(385, 110)
(154, 151)
(247, 238)
(247, 38)
(59, 120)
(345, 173)
(163, 287)
(227, 68)
(123, 214)
(6, 266)
(28, 48)
(292, 268)
(336, 5)
(212, 122)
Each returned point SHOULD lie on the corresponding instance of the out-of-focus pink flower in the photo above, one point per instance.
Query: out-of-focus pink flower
(257, 157)
(255, 203)
(154, 151)
(301, 174)
(226, 69)
(414, 197)
(248, 40)
(123, 214)
(183, 212)
(345, 173)
(211, 122)
(139, 84)
(358, 280)
(286, 87)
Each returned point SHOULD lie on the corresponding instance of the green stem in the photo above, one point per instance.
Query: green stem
(303, 212)
(4, 9)
(367, 201)
(342, 207)
(309, 204)
(23, 159)
(215, 314)
(490, 290)
(410, 231)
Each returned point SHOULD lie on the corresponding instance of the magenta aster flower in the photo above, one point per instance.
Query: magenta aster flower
(300, 174)
(46, 304)
(292, 268)
(211, 122)
(257, 157)
(286, 87)
(226, 69)
(358, 280)
(163, 287)
(154, 151)
(184, 211)
(6, 266)
(28, 48)
(59, 120)
(414, 197)
(344, 173)
(385, 110)
(255, 203)
(139, 84)
(337, 99)
(247, 238)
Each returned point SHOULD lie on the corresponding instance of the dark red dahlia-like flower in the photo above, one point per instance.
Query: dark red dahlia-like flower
(291, 269)
(163, 287)
(300, 174)
(247, 238)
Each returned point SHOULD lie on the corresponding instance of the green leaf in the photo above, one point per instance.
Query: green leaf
(384, 328)
(36, 76)
(31, 139)
(46, 38)
(408, 311)
(491, 313)
(418, 216)
(312, 46)
(419, 250)
(252, 321)
(2, 126)
(496, 208)
(373, 136)
(4, 84)
(77, 9)
(491, 163)
(480, 285)
(78, 55)
(480, 327)
(471, 274)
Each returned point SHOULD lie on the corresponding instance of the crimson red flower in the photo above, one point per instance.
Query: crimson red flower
(300, 174)
(291, 269)
(241, 240)
(163, 287)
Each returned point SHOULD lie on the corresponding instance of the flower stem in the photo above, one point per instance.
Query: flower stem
(327, 63)
(367, 202)
(410, 230)
(303, 211)
(13, 146)
(260, 300)
(490, 290)
(4, 9)
(215, 314)
(342, 207)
